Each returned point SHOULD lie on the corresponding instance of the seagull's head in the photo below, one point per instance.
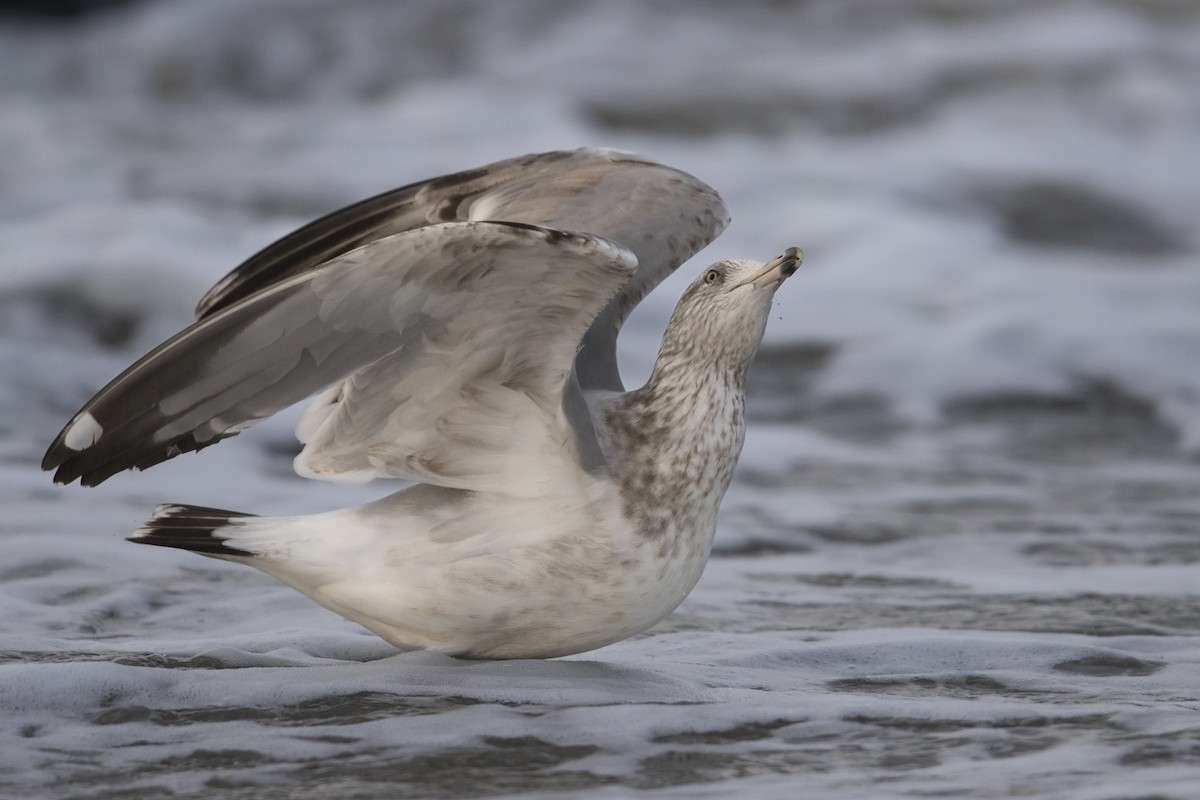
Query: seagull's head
(723, 314)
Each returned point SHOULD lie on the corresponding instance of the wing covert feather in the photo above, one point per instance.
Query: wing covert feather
(478, 305)
(661, 214)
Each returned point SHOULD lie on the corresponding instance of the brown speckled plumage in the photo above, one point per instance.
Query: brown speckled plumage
(672, 445)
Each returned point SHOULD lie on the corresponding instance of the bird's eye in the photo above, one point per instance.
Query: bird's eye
(711, 276)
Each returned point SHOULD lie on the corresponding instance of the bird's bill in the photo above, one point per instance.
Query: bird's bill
(777, 269)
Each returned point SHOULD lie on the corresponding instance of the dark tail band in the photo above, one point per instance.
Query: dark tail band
(192, 528)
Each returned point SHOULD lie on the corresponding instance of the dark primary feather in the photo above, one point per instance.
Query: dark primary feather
(444, 199)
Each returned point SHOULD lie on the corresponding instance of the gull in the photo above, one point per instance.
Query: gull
(460, 333)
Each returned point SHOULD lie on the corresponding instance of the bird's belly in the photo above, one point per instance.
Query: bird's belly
(564, 597)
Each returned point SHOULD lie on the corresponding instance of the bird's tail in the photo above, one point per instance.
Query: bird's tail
(192, 528)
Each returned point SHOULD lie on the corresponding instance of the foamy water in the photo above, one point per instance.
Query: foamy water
(961, 553)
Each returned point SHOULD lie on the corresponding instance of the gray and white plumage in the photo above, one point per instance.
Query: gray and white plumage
(461, 333)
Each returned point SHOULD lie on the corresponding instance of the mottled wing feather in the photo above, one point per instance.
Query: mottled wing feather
(433, 325)
(661, 214)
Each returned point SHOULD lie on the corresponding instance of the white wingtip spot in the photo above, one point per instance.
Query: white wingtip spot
(83, 433)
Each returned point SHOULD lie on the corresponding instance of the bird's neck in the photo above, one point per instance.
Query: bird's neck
(673, 445)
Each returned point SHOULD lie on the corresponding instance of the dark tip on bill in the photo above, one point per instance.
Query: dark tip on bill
(791, 258)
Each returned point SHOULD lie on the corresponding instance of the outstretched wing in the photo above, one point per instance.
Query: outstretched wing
(452, 345)
(661, 214)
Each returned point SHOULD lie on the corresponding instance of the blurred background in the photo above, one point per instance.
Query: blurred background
(976, 414)
(998, 200)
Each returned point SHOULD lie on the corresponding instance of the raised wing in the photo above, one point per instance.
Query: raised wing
(452, 345)
(661, 214)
